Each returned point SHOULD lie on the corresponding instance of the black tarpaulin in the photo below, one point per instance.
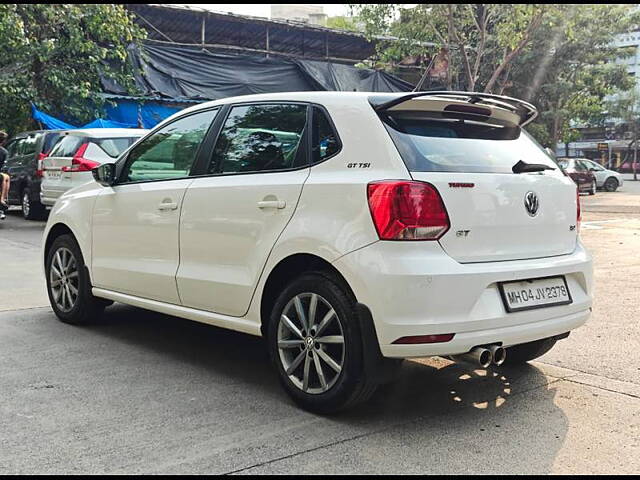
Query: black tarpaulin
(180, 72)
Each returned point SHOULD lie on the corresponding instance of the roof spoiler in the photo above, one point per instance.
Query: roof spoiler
(524, 110)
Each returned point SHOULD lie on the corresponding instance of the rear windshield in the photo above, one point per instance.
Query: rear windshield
(67, 146)
(113, 147)
(460, 145)
(49, 141)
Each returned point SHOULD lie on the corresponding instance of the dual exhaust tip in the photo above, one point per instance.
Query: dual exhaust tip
(483, 357)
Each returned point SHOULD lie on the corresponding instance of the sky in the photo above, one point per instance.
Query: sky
(264, 9)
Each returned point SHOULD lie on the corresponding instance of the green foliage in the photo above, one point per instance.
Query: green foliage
(570, 72)
(53, 55)
(559, 57)
(343, 23)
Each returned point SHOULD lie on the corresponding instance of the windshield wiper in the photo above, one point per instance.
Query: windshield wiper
(522, 167)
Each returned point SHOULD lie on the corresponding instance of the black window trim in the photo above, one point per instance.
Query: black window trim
(121, 162)
(201, 165)
(307, 144)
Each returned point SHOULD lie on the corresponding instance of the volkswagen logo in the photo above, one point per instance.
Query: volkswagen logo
(531, 203)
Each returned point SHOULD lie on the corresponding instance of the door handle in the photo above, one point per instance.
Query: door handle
(168, 206)
(279, 204)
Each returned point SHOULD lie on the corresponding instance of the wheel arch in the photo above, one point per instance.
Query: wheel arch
(288, 268)
(54, 232)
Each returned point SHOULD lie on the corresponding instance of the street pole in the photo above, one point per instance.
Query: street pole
(635, 151)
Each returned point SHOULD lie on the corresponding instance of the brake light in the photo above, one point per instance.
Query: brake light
(578, 213)
(40, 167)
(407, 210)
(79, 163)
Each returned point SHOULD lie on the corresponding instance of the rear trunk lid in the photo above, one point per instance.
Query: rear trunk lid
(468, 148)
(490, 220)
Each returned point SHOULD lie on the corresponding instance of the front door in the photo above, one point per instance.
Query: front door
(135, 222)
(232, 217)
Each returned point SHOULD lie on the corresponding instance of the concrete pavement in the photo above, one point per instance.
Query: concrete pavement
(141, 392)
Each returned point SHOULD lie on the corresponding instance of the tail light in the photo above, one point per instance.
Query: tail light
(578, 213)
(40, 167)
(407, 210)
(79, 163)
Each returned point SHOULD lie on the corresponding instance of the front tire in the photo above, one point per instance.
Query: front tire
(525, 352)
(68, 284)
(315, 344)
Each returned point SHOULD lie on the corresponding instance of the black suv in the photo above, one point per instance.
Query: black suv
(26, 150)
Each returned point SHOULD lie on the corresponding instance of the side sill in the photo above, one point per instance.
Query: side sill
(202, 316)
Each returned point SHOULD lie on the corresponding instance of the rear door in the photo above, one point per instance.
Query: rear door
(495, 214)
(233, 215)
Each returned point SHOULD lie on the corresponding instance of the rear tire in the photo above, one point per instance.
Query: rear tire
(611, 185)
(321, 370)
(525, 352)
(68, 284)
(31, 210)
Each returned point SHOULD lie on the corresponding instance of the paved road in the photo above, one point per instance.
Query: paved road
(146, 393)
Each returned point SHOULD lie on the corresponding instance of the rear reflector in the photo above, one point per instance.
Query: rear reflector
(407, 210)
(441, 338)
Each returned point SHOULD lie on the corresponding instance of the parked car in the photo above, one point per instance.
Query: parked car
(351, 230)
(24, 165)
(77, 152)
(580, 172)
(606, 179)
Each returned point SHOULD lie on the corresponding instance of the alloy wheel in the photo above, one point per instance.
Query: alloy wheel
(311, 343)
(26, 205)
(64, 279)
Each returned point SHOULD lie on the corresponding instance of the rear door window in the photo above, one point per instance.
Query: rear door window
(259, 138)
(29, 144)
(461, 145)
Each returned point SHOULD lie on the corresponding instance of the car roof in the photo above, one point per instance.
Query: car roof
(107, 132)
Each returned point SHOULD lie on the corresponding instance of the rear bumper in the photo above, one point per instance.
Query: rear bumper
(49, 196)
(416, 289)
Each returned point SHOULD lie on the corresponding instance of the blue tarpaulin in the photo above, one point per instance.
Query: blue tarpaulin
(125, 114)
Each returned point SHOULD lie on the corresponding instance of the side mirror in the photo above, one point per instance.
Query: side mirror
(105, 174)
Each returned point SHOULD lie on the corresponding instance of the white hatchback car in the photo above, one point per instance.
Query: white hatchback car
(351, 230)
(76, 153)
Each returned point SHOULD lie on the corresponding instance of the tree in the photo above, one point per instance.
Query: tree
(479, 41)
(343, 23)
(54, 55)
(570, 71)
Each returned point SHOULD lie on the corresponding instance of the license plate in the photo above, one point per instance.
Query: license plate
(535, 293)
(53, 174)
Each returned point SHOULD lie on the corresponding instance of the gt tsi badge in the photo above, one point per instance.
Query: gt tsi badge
(531, 203)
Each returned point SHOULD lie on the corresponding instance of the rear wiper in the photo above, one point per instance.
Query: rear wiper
(522, 167)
